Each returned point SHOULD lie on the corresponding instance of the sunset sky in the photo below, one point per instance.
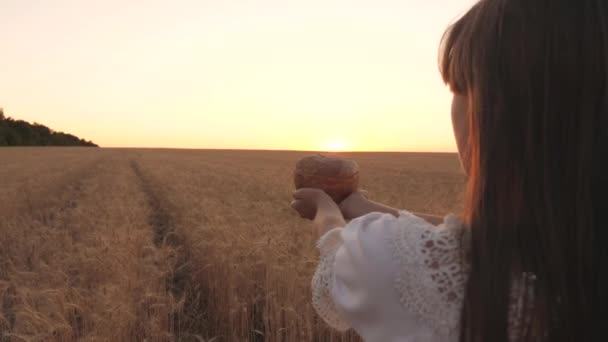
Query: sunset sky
(259, 74)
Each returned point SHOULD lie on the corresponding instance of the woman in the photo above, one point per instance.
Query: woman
(526, 262)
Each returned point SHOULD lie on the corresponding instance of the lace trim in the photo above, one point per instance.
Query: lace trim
(322, 301)
(431, 278)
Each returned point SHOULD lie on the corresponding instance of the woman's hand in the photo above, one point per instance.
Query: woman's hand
(316, 205)
(305, 202)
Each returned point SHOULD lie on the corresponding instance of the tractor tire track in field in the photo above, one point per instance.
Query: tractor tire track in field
(71, 194)
(159, 219)
(165, 234)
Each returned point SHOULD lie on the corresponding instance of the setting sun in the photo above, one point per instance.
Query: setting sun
(335, 145)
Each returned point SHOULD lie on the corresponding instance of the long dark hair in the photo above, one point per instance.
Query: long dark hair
(535, 73)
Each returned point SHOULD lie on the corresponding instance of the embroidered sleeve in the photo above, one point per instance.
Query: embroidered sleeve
(389, 277)
(321, 282)
(432, 275)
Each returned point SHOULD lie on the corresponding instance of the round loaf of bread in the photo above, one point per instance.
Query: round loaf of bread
(338, 177)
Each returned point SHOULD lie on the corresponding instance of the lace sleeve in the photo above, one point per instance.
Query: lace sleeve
(391, 278)
(432, 275)
(321, 282)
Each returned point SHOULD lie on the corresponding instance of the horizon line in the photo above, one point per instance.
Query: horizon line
(277, 150)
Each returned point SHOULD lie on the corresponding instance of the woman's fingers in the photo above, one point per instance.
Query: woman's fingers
(304, 209)
(306, 193)
(297, 205)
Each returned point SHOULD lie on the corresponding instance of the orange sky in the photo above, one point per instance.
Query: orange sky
(267, 74)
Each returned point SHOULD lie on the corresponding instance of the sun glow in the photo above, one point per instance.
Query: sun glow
(335, 145)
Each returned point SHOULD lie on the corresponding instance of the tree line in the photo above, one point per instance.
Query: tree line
(21, 133)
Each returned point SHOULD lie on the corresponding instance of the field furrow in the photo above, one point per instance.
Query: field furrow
(252, 257)
(32, 178)
(85, 267)
(186, 321)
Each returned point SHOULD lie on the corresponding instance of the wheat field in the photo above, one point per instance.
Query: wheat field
(176, 245)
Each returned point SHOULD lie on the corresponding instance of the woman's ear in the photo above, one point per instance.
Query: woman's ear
(460, 124)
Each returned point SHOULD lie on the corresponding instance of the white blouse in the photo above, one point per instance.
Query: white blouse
(392, 278)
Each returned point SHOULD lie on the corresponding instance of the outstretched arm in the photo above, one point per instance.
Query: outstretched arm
(328, 216)
(357, 205)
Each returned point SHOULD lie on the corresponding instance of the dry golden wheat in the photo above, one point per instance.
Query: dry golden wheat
(176, 245)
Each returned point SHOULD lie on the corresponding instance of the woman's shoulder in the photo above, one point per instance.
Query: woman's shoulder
(407, 235)
(424, 263)
(410, 239)
(416, 241)
(377, 224)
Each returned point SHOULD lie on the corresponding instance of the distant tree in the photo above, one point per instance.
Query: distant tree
(21, 133)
